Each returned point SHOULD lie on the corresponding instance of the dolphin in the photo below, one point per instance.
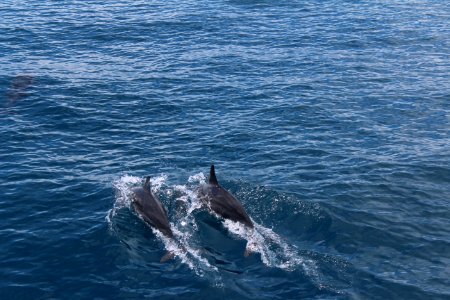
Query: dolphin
(148, 206)
(222, 202)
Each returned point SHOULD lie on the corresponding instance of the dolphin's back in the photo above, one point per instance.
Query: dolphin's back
(151, 210)
(225, 204)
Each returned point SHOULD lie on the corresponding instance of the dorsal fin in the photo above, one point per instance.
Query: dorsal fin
(147, 184)
(212, 176)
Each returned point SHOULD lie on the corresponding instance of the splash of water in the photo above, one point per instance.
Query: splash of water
(123, 187)
(275, 252)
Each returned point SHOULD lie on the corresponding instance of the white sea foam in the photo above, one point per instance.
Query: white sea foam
(197, 178)
(123, 188)
(275, 252)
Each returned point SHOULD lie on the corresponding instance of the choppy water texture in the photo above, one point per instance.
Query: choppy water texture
(329, 121)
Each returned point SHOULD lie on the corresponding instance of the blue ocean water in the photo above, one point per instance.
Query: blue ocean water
(328, 120)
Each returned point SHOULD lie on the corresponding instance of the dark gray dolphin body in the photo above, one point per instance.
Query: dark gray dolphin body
(148, 206)
(223, 202)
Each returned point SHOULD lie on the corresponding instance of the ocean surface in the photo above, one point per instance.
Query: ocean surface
(328, 120)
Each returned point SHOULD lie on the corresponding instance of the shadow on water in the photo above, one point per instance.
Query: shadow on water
(19, 89)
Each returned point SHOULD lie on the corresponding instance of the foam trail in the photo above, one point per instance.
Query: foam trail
(275, 252)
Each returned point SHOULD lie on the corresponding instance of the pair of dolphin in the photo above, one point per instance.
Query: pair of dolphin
(218, 199)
